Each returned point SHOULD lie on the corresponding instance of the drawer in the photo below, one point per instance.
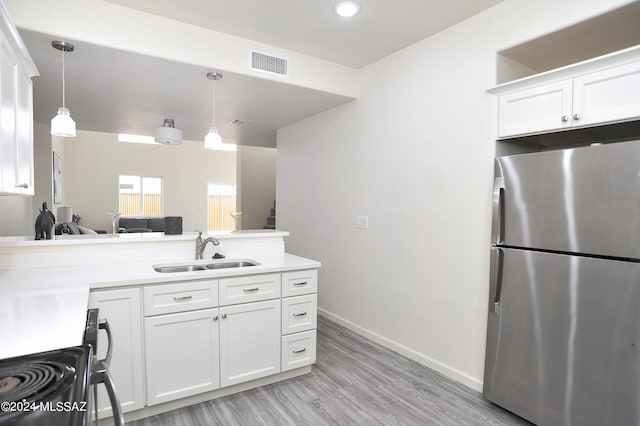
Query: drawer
(298, 350)
(251, 288)
(296, 283)
(299, 313)
(180, 297)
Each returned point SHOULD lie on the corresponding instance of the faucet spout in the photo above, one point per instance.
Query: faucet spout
(202, 243)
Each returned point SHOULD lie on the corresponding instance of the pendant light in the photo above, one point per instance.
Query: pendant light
(168, 134)
(213, 139)
(62, 124)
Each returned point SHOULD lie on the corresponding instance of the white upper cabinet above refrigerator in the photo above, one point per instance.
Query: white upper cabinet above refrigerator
(595, 92)
(540, 108)
(607, 96)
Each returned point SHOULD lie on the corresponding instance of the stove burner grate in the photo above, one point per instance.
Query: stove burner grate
(33, 381)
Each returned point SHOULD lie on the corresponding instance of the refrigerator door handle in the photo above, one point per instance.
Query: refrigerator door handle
(495, 277)
(497, 221)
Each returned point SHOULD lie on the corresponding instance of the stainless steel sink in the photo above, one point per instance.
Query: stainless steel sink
(233, 264)
(205, 266)
(180, 268)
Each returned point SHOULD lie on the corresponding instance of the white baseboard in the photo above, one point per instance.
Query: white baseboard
(434, 364)
(154, 410)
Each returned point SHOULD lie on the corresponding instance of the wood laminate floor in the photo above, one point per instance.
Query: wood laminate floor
(354, 382)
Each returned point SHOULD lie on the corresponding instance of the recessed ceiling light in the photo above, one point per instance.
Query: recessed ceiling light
(346, 9)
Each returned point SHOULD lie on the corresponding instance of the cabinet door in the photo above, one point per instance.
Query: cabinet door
(122, 309)
(24, 136)
(535, 110)
(249, 341)
(607, 96)
(8, 103)
(181, 354)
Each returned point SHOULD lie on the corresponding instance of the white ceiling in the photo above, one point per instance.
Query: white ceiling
(116, 91)
(310, 26)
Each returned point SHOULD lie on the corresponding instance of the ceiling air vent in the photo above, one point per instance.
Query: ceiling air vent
(269, 64)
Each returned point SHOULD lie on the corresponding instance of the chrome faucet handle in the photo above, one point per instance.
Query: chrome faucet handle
(199, 247)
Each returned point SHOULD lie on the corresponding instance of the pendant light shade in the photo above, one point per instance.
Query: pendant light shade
(168, 134)
(213, 140)
(62, 124)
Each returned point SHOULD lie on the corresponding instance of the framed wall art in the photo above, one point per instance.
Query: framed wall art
(58, 196)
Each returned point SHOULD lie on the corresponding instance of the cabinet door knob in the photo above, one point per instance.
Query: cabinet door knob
(576, 116)
(565, 118)
(215, 318)
(224, 316)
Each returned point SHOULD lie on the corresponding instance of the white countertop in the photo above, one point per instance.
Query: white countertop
(40, 310)
(61, 240)
(45, 308)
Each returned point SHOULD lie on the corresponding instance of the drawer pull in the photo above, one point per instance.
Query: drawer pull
(299, 351)
(215, 318)
(300, 315)
(224, 316)
(182, 298)
(299, 284)
(250, 290)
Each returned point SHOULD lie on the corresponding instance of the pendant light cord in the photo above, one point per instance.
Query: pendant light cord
(213, 116)
(63, 83)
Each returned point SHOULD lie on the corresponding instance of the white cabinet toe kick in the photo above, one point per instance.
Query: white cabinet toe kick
(187, 342)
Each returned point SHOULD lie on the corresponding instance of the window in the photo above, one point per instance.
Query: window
(140, 196)
(220, 204)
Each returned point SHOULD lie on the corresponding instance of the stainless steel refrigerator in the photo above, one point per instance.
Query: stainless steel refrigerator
(563, 338)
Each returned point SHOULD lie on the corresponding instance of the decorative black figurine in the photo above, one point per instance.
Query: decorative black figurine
(44, 223)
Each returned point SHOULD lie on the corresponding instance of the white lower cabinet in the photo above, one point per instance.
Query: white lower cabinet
(121, 308)
(181, 354)
(249, 341)
(202, 335)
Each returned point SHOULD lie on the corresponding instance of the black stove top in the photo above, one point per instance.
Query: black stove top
(47, 388)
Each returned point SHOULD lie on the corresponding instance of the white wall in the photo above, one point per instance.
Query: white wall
(256, 185)
(18, 213)
(415, 154)
(93, 160)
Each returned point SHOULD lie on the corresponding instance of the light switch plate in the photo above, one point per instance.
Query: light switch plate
(362, 222)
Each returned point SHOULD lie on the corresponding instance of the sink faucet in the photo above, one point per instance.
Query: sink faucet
(201, 244)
